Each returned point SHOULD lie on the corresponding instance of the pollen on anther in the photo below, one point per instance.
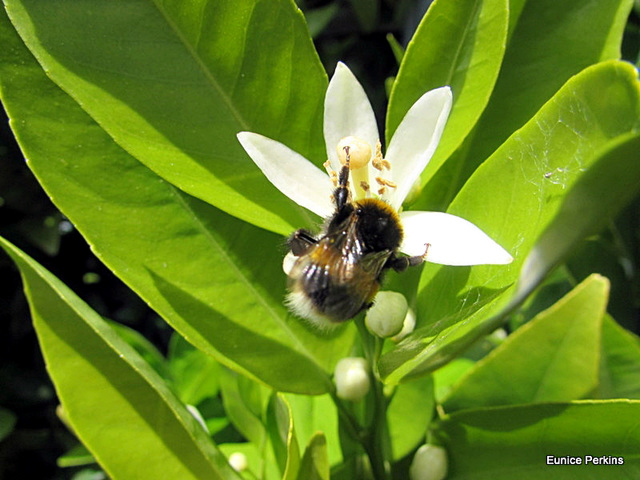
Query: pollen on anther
(385, 182)
(365, 186)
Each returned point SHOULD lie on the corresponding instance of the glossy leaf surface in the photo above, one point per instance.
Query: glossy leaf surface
(459, 44)
(204, 271)
(407, 430)
(620, 362)
(555, 357)
(514, 442)
(283, 438)
(314, 464)
(521, 188)
(102, 382)
(549, 42)
(172, 83)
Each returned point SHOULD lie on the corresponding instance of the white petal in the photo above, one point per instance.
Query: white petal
(415, 140)
(290, 172)
(452, 240)
(347, 111)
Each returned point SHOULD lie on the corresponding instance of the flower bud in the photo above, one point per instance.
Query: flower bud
(351, 378)
(288, 262)
(429, 463)
(238, 461)
(386, 317)
(407, 326)
(359, 152)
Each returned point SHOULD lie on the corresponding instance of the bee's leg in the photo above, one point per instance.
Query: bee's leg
(400, 264)
(341, 193)
(300, 241)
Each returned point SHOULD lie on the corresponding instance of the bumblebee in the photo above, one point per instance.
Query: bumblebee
(337, 273)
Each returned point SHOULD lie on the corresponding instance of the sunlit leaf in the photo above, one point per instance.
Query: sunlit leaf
(195, 374)
(102, 383)
(315, 461)
(172, 82)
(514, 442)
(240, 409)
(260, 462)
(549, 42)
(316, 414)
(282, 435)
(459, 44)
(555, 357)
(205, 272)
(620, 366)
(513, 197)
(409, 414)
(587, 208)
(77, 456)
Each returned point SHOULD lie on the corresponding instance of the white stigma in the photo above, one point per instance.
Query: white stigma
(359, 152)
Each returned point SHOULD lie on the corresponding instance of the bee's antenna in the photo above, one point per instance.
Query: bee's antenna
(341, 194)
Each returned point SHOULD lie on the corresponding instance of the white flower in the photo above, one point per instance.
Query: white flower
(348, 113)
(351, 379)
(429, 463)
(386, 317)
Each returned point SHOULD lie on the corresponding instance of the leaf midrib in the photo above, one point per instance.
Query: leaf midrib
(233, 267)
(226, 98)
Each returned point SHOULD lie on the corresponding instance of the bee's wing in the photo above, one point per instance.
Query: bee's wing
(373, 263)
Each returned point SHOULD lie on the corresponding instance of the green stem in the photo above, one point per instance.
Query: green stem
(375, 435)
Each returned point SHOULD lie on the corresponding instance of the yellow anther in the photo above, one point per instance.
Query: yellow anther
(385, 182)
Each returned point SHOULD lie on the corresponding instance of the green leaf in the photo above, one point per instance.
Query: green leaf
(551, 42)
(555, 357)
(195, 374)
(318, 18)
(513, 197)
(116, 404)
(283, 437)
(396, 48)
(409, 414)
(514, 442)
(89, 474)
(261, 465)
(316, 414)
(7, 422)
(587, 208)
(147, 350)
(218, 281)
(172, 83)
(315, 461)
(366, 11)
(620, 366)
(243, 414)
(459, 44)
(75, 457)
(449, 375)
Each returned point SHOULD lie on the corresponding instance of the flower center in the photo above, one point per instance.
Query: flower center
(359, 152)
